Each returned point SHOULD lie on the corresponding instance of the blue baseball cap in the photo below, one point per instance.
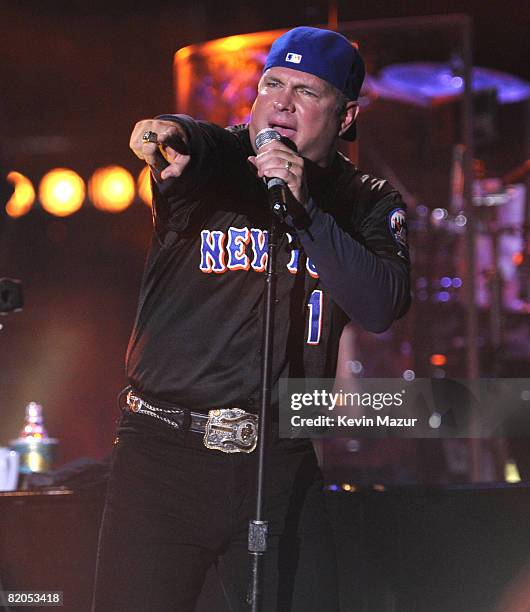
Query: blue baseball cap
(323, 53)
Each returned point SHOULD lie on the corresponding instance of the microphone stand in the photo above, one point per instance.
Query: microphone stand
(280, 208)
(258, 527)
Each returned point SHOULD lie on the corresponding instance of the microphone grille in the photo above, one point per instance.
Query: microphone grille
(265, 136)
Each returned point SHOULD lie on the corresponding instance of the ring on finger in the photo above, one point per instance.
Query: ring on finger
(288, 165)
(149, 136)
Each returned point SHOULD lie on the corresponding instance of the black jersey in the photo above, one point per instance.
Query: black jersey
(197, 336)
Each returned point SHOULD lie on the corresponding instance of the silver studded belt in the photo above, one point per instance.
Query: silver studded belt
(230, 430)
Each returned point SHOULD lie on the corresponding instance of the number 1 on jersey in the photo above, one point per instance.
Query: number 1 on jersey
(314, 328)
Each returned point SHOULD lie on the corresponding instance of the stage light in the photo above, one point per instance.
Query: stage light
(111, 189)
(460, 220)
(511, 472)
(144, 185)
(438, 359)
(23, 197)
(409, 375)
(233, 43)
(61, 192)
(517, 258)
(435, 420)
(439, 214)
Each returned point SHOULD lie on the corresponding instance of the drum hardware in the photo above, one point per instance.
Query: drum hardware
(523, 270)
(428, 84)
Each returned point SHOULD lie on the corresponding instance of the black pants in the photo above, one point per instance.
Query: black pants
(175, 508)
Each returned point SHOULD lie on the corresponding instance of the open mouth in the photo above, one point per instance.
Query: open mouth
(284, 130)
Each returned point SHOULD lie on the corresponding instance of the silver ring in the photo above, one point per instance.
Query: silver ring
(288, 165)
(149, 136)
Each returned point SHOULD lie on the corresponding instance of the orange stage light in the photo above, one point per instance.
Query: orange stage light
(144, 186)
(61, 192)
(111, 189)
(23, 197)
(438, 359)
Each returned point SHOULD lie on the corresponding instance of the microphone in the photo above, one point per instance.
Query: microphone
(280, 199)
(278, 193)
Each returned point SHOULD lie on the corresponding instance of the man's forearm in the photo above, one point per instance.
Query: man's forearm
(372, 290)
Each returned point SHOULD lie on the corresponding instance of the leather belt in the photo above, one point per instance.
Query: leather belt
(230, 430)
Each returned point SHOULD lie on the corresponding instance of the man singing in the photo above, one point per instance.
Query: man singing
(179, 497)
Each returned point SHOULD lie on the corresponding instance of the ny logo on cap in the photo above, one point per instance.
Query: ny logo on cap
(294, 58)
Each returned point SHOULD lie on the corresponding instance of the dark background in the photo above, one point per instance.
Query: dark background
(75, 76)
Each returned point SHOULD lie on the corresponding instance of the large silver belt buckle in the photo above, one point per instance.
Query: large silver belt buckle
(231, 430)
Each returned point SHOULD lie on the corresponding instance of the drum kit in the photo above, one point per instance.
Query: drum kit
(418, 107)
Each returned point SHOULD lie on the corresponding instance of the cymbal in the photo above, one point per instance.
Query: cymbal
(430, 84)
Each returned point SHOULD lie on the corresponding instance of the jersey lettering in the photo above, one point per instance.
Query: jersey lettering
(212, 252)
(311, 268)
(292, 266)
(259, 246)
(237, 241)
